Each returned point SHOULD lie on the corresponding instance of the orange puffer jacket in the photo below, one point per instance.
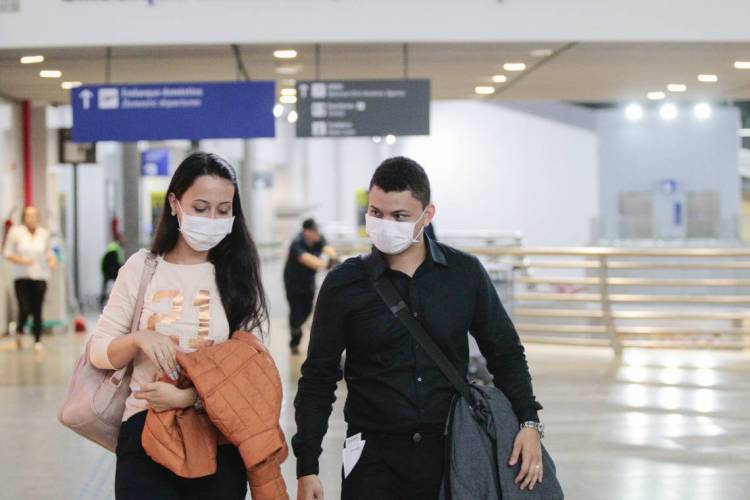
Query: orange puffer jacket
(241, 391)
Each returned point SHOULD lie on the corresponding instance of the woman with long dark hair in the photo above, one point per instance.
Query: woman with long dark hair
(206, 285)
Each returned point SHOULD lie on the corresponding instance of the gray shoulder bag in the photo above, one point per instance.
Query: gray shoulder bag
(95, 402)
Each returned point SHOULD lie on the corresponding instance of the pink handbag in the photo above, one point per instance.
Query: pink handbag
(95, 402)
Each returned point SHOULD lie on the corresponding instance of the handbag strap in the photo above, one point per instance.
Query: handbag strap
(149, 268)
(398, 307)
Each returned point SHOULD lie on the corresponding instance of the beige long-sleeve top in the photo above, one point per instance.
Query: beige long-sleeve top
(181, 301)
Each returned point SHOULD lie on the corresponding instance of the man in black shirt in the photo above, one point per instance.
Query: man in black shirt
(303, 262)
(398, 400)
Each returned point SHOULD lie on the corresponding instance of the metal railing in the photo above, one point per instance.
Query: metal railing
(622, 297)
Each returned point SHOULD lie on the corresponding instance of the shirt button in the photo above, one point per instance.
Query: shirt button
(416, 314)
(417, 437)
(419, 379)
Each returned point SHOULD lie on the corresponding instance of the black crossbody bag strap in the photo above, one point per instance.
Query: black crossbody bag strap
(398, 307)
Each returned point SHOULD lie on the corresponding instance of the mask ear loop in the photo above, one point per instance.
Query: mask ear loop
(421, 231)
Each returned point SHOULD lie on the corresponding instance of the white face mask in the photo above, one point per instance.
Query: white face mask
(203, 233)
(392, 237)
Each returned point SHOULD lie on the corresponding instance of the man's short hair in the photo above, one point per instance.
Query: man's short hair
(403, 174)
(310, 225)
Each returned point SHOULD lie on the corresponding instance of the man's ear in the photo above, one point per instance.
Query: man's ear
(429, 214)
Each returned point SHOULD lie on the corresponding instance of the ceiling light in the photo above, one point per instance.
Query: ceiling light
(742, 64)
(676, 87)
(70, 85)
(656, 96)
(288, 99)
(482, 90)
(708, 78)
(634, 112)
(745, 132)
(499, 78)
(32, 59)
(285, 54)
(50, 73)
(289, 69)
(514, 66)
(390, 139)
(669, 111)
(702, 111)
(377, 139)
(278, 110)
(292, 117)
(288, 91)
(542, 52)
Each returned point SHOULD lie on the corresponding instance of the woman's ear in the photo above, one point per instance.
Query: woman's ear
(172, 203)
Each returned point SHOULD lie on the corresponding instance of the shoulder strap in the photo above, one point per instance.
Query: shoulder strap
(398, 307)
(149, 268)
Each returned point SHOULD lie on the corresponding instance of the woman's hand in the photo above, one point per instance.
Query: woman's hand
(528, 446)
(161, 350)
(162, 396)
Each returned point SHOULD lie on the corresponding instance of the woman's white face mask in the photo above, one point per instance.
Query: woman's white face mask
(203, 233)
(392, 237)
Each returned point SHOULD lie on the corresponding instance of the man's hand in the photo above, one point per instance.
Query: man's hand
(528, 446)
(309, 488)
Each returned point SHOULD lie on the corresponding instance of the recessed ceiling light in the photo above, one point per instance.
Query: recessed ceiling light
(292, 117)
(483, 90)
(742, 64)
(702, 111)
(289, 91)
(669, 111)
(656, 96)
(708, 78)
(499, 78)
(516, 66)
(285, 54)
(676, 87)
(390, 139)
(288, 99)
(50, 73)
(278, 110)
(289, 69)
(377, 139)
(32, 59)
(542, 52)
(70, 85)
(634, 112)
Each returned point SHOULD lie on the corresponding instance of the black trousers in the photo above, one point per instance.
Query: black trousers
(30, 295)
(397, 467)
(300, 308)
(137, 477)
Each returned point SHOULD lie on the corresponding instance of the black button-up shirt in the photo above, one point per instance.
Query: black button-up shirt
(393, 385)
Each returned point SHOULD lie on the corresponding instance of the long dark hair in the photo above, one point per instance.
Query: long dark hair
(235, 259)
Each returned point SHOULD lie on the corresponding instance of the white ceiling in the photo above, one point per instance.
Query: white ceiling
(585, 72)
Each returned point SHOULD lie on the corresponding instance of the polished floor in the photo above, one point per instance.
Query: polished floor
(666, 425)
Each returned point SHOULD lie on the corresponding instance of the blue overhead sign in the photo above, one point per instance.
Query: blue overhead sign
(151, 112)
(155, 162)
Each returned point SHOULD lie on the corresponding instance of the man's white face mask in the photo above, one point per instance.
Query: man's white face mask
(392, 237)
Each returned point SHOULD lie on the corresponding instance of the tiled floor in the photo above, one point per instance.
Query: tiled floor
(666, 425)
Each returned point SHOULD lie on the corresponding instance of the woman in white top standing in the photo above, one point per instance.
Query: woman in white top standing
(206, 286)
(28, 248)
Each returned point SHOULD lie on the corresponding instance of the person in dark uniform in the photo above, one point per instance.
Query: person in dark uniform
(304, 261)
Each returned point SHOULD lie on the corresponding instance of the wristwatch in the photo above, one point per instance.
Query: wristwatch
(534, 425)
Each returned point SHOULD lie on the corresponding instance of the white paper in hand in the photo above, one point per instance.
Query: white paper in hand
(352, 452)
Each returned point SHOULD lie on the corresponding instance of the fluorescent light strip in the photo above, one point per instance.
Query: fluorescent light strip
(499, 78)
(708, 78)
(482, 90)
(70, 85)
(50, 73)
(516, 66)
(32, 59)
(676, 87)
(656, 96)
(285, 54)
(742, 64)
(288, 92)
